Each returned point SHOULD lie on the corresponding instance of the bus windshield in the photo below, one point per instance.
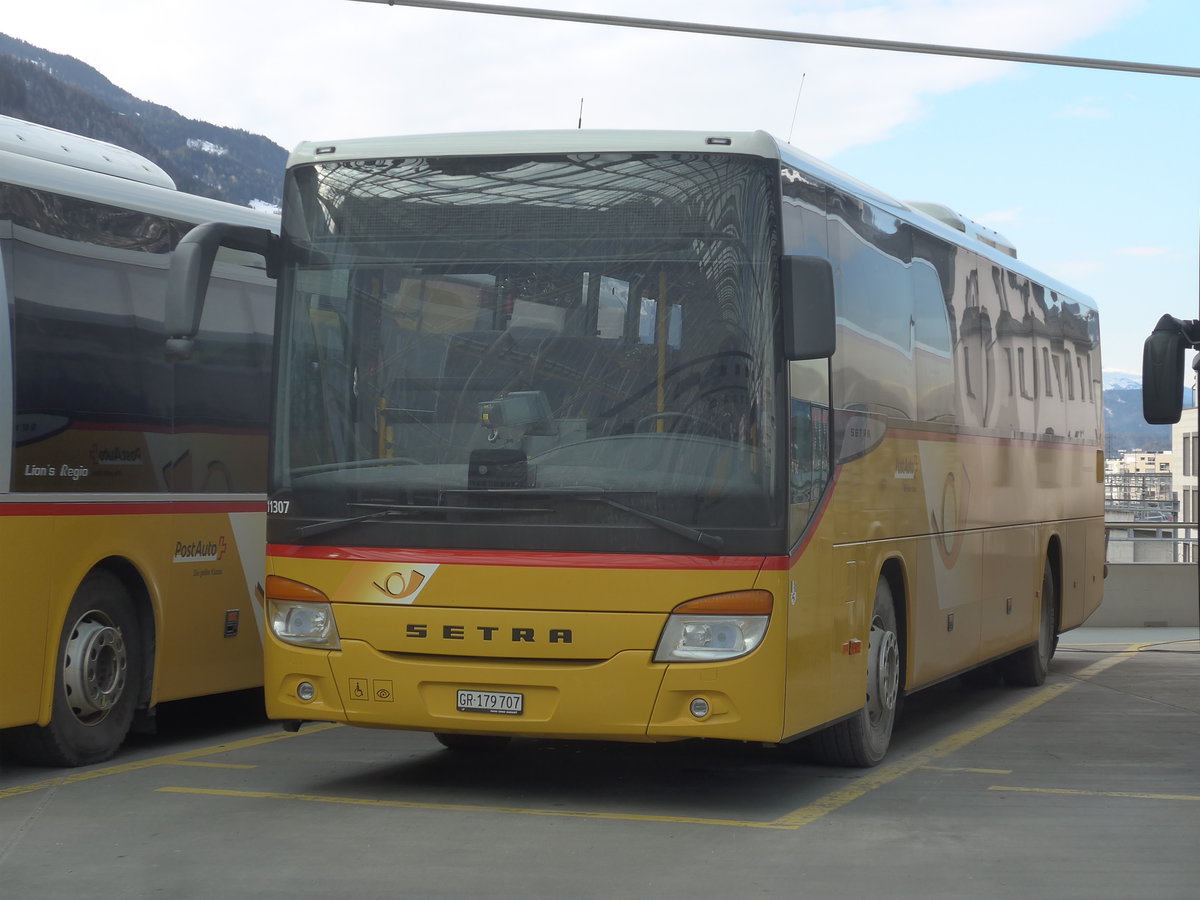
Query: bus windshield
(512, 352)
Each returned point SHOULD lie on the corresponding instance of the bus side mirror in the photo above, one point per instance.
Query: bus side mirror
(809, 314)
(1162, 372)
(191, 267)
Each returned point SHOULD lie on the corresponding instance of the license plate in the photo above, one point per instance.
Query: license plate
(491, 702)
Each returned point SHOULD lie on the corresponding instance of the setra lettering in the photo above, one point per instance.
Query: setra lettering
(489, 633)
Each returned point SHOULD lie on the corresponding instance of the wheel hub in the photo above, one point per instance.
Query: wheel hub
(883, 677)
(95, 663)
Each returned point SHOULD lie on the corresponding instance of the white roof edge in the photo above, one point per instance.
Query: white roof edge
(500, 143)
(42, 142)
(86, 184)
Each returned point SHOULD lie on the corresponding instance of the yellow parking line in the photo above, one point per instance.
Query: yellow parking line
(968, 770)
(883, 775)
(790, 822)
(1134, 795)
(798, 818)
(172, 759)
(213, 765)
(461, 807)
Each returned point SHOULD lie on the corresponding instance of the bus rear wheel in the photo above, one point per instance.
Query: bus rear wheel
(1028, 667)
(863, 739)
(95, 689)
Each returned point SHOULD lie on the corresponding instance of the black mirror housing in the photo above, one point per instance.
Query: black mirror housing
(1163, 372)
(809, 311)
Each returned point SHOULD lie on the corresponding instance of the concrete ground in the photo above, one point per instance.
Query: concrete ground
(1088, 786)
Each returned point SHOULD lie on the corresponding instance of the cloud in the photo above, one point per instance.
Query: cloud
(325, 69)
(1144, 252)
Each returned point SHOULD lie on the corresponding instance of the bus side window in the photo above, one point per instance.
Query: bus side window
(932, 350)
(808, 431)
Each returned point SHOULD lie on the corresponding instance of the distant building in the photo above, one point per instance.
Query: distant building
(1185, 445)
(1140, 478)
(1138, 489)
(1140, 462)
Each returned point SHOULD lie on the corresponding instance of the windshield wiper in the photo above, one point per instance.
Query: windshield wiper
(334, 524)
(400, 510)
(382, 511)
(595, 495)
(703, 538)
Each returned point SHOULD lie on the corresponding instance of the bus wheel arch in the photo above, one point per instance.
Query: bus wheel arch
(147, 622)
(1054, 560)
(1027, 667)
(894, 571)
(101, 672)
(862, 739)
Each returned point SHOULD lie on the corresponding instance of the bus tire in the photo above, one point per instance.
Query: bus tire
(472, 743)
(1027, 667)
(862, 740)
(99, 670)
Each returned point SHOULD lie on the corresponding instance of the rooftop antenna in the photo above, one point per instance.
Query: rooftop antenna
(796, 109)
(580, 125)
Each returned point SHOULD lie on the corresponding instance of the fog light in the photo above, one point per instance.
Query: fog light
(305, 691)
(699, 708)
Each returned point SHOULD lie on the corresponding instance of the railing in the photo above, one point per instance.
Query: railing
(1151, 576)
(1149, 540)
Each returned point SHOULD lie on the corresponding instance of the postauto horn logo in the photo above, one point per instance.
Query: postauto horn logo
(202, 550)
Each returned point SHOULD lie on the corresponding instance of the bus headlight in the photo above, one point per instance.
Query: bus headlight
(300, 614)
(711, 629)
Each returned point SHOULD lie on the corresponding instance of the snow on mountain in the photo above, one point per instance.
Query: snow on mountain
(207, 147)
(1122, 381)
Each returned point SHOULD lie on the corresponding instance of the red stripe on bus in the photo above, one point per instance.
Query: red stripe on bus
(528, 558)
(132, 508)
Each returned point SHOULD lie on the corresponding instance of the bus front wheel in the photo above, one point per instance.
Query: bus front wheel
(96, 686)
(862, 740)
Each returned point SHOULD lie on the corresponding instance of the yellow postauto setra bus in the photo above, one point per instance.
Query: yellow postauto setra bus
(648, 436)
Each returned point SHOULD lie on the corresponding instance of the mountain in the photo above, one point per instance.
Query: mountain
(62, 92)
(1124, 427)
(1121, 381)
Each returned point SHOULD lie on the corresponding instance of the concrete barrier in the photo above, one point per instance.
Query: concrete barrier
(1147, 595)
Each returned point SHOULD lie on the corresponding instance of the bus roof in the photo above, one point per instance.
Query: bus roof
(501, 143)
(42, 142)
(40, 172)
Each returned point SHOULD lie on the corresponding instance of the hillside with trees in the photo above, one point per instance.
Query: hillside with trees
(62, 92)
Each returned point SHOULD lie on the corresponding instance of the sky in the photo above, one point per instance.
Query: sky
(1093, 175)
